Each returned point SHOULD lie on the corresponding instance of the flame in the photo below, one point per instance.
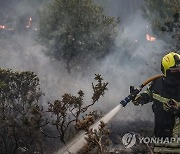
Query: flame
(150, 38)
(29, 23)
(36, 29)
(2, 27)
(5, 27)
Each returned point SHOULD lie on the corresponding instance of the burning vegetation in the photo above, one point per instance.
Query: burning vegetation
(150, 38)
(27, 26)
(75, 32)
(5, 27)
(29, 23)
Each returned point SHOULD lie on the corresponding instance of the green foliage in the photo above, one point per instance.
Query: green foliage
(164, 16)
(173, 28)
(20, 112)
(161, 10)
(23, 119)
(73, 30)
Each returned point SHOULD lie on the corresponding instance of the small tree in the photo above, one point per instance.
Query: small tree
(68, 111)
(75, 30)
(97, 140)
(20, 112)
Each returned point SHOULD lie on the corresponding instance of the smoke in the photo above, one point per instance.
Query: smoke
(132, 61)
(120, 8)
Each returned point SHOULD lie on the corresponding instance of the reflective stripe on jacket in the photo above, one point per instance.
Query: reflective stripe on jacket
(167, 124)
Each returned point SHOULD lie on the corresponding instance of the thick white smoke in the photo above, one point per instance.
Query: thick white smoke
(133, 61)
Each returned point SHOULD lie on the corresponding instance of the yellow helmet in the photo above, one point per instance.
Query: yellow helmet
(171, 62)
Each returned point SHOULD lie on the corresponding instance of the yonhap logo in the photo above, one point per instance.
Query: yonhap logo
(129, 139)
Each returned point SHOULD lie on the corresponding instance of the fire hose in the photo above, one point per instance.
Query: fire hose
(76, 145)
(134, 92)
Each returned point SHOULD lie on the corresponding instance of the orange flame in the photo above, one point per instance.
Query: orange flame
(29, 23)
(5, 27)
(2, 27)
(150, 38)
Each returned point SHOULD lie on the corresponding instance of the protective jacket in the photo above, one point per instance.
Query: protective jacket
(167, 122)
(160, 91)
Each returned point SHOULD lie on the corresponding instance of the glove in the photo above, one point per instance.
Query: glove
(138, 100)
(171, 106)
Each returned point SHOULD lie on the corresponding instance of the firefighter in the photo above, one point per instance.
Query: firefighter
(165, 95)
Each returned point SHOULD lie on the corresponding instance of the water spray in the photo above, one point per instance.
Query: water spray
(77, 144)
